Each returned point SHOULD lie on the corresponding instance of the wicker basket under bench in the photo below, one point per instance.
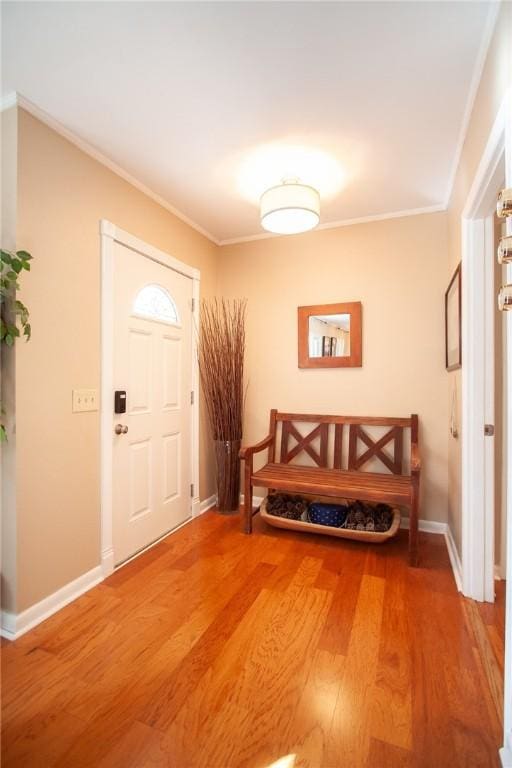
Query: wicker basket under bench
(370, 537)
(394, 487)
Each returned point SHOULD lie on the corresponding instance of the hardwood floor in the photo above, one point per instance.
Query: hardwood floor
(488, 621)
(493, 618)
(279, 649)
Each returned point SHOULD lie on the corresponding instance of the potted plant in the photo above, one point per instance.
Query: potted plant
(14, 316)
(221, 365)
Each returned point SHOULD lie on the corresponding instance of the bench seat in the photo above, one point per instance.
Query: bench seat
(396, 489)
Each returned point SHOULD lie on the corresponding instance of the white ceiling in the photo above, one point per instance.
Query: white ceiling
(209, 103)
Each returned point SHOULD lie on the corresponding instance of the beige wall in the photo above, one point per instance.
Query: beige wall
(9, 144)
(396, 268)
(496, 78)
(63, 193)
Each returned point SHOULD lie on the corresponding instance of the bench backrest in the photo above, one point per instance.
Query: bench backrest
(326, 442)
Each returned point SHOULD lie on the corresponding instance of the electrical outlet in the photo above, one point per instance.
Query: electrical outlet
(85, 400)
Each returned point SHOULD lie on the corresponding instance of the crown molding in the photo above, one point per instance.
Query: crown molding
(17, 99)
(8, 101)
(481, 58)
(343, 223)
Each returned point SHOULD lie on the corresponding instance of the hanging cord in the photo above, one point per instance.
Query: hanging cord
(454, 430)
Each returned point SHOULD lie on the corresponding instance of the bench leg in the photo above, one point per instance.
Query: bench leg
(248, 498)
(413, 524)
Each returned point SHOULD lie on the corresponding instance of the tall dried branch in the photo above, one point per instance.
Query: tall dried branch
(221, 364)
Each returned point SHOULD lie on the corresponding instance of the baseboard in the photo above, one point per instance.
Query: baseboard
(8, 628)
(427, 526)
(107, 562)
(207, 504)
(257, 501)
(15, 625)
(454, 558)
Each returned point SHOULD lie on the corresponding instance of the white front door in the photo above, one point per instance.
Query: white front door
(152, 471)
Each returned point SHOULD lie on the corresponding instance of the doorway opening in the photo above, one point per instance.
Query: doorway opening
(486, 415)
(479, 394)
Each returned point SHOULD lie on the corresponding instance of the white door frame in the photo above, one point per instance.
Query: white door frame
(477, 399)
(110, 234)
(506, 752)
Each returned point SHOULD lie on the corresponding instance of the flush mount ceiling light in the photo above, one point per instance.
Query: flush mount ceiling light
(290, 208)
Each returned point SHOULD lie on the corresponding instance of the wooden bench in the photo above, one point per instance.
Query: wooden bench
(337, 472)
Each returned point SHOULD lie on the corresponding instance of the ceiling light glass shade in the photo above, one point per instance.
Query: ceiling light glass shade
(290, 208)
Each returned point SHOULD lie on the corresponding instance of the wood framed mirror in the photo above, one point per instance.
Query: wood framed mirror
(330, 335)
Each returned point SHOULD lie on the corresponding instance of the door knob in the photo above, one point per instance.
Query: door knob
(120, 429)
(505, 298)
(504, 205)
(505, 250)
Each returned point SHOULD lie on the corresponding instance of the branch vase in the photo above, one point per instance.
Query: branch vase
(228, 474)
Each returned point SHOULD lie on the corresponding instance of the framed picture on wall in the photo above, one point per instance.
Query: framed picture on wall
(452, 322)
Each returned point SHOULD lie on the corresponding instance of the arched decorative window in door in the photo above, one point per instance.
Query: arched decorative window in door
(154, 303)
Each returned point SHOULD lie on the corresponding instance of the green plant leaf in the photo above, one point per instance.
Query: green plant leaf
(6, 329)
(3, 434)
(10, 329)
(12, 264)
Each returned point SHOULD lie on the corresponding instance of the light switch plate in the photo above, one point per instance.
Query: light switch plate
(85, 400)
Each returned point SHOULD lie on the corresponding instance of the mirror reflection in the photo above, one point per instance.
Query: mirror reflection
(329, 335)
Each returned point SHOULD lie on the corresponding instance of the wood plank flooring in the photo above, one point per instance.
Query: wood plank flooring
(220, 650)
(493, 618)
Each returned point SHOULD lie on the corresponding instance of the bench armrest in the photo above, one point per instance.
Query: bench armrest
(415, 459)
(250, 450)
